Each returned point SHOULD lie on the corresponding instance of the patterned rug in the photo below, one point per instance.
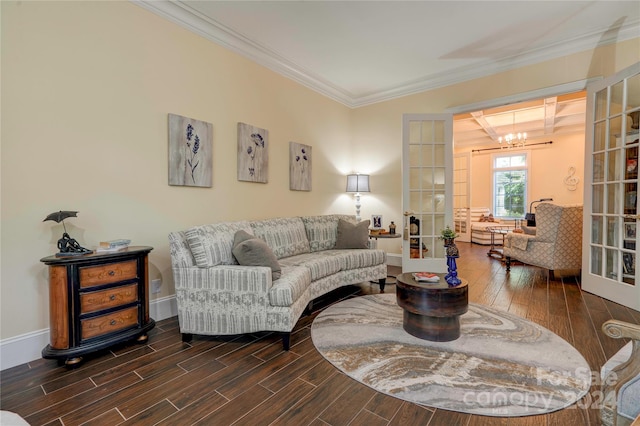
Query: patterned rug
(502, 365)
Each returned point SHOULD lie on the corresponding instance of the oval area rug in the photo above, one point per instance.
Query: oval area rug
(502, 365)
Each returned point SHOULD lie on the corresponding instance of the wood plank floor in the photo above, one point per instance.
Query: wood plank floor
(250, 380)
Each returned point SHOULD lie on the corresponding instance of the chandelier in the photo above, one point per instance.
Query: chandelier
(513, 139)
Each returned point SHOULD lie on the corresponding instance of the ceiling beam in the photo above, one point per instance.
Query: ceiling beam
(550, 108)
(479, 117)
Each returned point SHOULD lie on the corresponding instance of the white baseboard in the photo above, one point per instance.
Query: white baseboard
(24, 348)
(28, 347)
(163, 308)
(394, 259)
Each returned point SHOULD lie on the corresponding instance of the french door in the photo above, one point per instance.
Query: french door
(462, 196)
(427, 189)
(611, 204)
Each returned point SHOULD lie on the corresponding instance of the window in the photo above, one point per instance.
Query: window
(510, 185)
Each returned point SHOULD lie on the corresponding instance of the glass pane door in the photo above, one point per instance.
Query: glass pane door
(462, 196)
(427, 189)
(611, 204)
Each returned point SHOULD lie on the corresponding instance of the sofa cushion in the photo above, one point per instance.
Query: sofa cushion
(322, 230)
(251, 251)
(320, 264)
(290, 287)
(354, 259)
(286, 236)
(352, 236)
(211, 244)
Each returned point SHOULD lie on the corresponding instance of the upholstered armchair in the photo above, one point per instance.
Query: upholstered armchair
(621, 377)
(557, 243)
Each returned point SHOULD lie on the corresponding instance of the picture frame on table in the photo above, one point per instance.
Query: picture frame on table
(629, 263)
(376, 221)
(630, 230)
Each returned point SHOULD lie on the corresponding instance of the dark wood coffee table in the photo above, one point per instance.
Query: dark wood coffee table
(431, 310)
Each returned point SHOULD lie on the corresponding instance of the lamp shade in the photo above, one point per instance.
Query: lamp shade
(358, 183)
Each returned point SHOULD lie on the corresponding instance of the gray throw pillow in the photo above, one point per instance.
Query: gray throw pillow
(241, 236)
(251, 251)
(352, 236)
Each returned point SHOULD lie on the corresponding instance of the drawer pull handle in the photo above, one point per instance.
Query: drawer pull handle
(113, 322)
(112, 273)
(112, 297)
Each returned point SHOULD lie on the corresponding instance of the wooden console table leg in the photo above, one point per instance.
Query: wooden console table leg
(73, 362)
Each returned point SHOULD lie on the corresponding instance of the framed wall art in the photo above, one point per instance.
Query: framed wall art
(190, 152)
(253, 158)
(299, 167)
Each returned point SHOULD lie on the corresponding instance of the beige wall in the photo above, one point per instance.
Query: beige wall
(548, 168)
(86, 89)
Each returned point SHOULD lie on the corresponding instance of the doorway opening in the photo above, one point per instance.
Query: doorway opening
(495, 180)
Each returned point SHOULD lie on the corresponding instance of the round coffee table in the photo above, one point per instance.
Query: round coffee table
(431, 310)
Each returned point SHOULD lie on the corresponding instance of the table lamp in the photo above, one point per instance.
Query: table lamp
(357, 183)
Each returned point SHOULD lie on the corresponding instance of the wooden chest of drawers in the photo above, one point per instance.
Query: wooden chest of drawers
(96, 301)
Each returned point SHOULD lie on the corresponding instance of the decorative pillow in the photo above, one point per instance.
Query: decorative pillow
(352, 236)
(211, 244)
(322, 230)
(286, 235)
(251, 251)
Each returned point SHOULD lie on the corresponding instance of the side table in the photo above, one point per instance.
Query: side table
(373, 245)
(431, 310)
(495, 248)
(97, 300)
(384, 236)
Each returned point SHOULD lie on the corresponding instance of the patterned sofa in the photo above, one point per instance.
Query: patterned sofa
(557, 243)
(217, 296)
(479, 232)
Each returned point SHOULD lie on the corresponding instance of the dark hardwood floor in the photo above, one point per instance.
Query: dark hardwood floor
(250, 380)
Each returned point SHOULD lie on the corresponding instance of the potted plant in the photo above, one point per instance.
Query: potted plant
(448, 235)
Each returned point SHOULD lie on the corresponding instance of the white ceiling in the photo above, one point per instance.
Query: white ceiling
(540, 119)
(362, 52)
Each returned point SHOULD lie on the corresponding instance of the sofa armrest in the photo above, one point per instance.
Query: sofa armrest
(222, 299)
(621, 330)
(518, 241)
(616, 383)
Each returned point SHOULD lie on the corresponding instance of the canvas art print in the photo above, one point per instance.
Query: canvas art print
(299, 167)
(253, 158)
(190, 151)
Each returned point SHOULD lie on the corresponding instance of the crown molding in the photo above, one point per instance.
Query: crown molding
(218, 33)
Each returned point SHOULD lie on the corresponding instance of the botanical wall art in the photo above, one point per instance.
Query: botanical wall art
(190, 151)
(253, 158)
(299, 167)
